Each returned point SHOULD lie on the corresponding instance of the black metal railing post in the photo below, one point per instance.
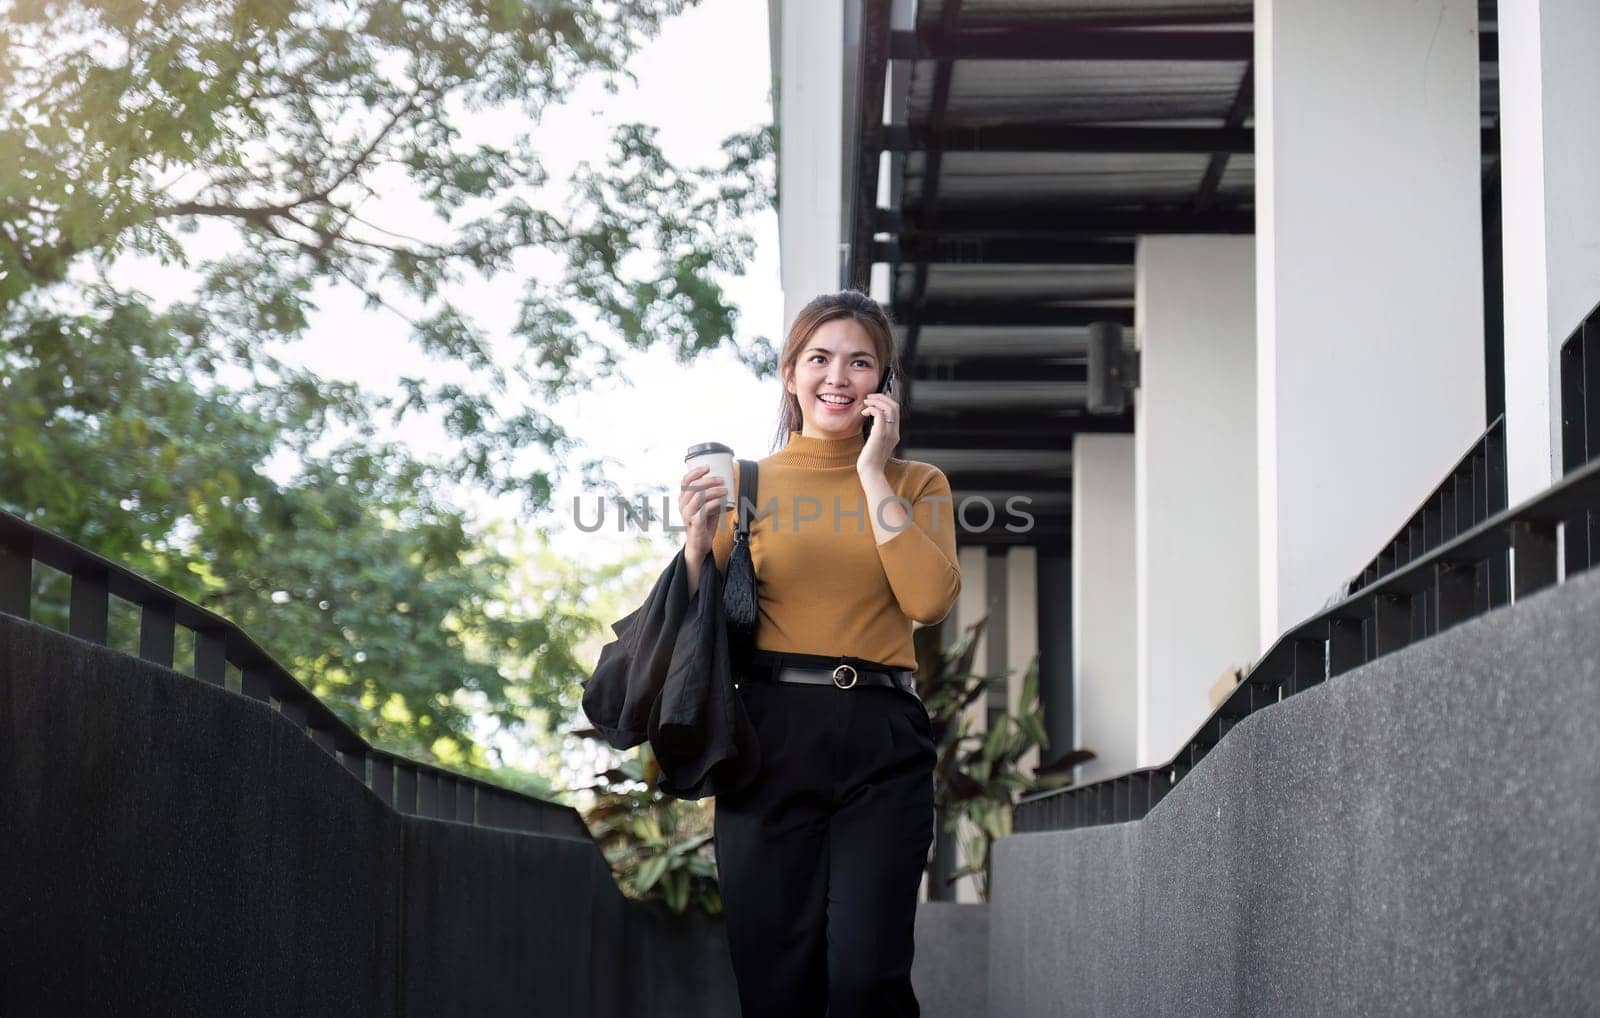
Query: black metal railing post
(158, 633)
(89, 611)
(211, 656)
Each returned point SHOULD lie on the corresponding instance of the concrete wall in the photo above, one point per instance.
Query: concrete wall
(1104, 633)
(1196, 539)
(1369, 278)
(1549, 148)
(173, 848)
(1414, 837)
(951, 969)
(811, 116)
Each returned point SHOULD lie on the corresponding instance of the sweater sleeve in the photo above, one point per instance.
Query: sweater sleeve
(920, 560)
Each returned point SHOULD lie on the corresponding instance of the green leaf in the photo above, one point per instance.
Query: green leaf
(650, 871)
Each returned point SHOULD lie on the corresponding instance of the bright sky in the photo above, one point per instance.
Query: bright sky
(707, 76)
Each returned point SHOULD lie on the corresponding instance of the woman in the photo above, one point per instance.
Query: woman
(820, 856)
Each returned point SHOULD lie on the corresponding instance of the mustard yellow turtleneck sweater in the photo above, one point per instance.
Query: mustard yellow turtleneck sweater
(825, 585)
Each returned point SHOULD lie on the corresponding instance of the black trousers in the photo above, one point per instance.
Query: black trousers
(820, 856)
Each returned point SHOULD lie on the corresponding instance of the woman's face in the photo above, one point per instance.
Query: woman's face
(836, 367)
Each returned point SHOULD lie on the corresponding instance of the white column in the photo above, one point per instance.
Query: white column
(1369, 279)
(972, 604)
(1550, 211)
(1196, 536)
(1104, 636)
(810, 82)
(1022, 631)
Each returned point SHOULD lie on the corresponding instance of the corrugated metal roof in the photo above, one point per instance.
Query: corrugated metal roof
(1084, 92)
(1078, 283)
(1091, 178)
(1170, 10)
(1062, 210)
(1002, 341)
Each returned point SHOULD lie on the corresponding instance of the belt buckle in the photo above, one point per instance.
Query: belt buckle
(853, 676)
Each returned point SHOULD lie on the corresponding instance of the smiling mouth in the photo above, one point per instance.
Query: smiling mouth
(836, 405)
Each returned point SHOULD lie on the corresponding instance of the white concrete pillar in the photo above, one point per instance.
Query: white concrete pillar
(972, 604)
(1369, 279)
(1550, 212)
(810, 82)
(1104, 636)
(1195, 530)
(1022, 631)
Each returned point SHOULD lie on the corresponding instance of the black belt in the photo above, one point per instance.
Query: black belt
(840, 672)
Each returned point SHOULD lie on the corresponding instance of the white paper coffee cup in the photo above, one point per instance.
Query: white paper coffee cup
(719, 458)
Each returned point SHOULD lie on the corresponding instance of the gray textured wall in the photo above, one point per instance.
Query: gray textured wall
(168, 847)
(951, 969)
(1417, 837)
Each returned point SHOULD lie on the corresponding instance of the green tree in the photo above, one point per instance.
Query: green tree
(313, 128)
(352, 570)
(172, 439)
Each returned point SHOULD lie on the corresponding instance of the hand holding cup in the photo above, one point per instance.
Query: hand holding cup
(700, 501)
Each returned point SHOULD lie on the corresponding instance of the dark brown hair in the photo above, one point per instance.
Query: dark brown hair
(822, 309)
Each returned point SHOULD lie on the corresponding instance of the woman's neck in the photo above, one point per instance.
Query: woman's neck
(815, 451)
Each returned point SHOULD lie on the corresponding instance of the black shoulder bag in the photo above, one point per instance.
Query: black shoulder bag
(739, 581)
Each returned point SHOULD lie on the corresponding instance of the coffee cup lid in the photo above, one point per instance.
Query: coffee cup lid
(706, 447)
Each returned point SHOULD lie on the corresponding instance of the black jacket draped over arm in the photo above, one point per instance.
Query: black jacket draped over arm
(668, 677)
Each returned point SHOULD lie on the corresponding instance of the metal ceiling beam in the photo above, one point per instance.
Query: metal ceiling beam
(982, 251)
(1011, 312)
(1243, 103)
(1047, 39)
(949, 28)
(1022, 483)
(1040, 462)
(1009, 430)
(978, 368)
(1002, 139)
(1208, 13)
(1063, 39)
(1037, 222)
(1015, 343)
(1029, 395)
(874, 57)
(1069, 138)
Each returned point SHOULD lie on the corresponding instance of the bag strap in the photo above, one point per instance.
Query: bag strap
(749, 486)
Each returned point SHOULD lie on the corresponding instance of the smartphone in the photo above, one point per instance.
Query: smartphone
(883, 386)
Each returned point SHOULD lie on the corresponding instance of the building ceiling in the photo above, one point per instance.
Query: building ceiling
(1031, 142)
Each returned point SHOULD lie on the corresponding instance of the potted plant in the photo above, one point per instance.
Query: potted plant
(979, 774)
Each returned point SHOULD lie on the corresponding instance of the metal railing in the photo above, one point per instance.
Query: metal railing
(1473, 491)
(409, 786)
(1455, 581)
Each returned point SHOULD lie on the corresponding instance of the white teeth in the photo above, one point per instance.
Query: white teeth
(836, 400)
